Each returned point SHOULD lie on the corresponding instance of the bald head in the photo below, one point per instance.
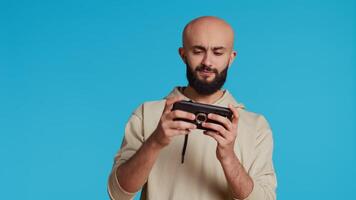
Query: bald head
(208, 30)
(207, 52)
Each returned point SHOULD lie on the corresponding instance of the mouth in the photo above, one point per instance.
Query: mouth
(206, 73)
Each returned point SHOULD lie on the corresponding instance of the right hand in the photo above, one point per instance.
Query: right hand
(168, 128)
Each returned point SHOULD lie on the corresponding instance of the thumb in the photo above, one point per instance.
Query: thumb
(170, 101)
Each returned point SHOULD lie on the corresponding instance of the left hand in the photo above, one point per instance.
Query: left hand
(225, 135)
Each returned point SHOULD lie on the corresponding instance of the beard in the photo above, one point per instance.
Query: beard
(204, 87)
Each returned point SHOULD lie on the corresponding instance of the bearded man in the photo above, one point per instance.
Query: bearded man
(231, 159)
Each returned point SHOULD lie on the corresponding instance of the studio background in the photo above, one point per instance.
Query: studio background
(72, 72)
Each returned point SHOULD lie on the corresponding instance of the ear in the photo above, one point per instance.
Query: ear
(182, 54)
(232, 57)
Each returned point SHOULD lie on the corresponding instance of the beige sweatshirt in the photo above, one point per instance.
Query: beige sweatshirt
(201, 176)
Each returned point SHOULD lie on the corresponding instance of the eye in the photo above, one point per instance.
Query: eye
(218, 53)
(197, 52)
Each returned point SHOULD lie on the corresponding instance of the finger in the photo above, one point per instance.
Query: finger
(223, 120)
(235, 113)
(215, 127)
(219, 139)
(170, 101)
(181, 115)
(181, 125)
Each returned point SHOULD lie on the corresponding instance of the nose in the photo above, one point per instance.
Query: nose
(207, 59)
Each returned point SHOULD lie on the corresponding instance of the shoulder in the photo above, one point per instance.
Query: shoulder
(149, 108)
(153, 107)
(154, 104)
(253, 120)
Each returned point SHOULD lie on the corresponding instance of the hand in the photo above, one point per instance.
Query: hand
(225, 134)
(168, 128)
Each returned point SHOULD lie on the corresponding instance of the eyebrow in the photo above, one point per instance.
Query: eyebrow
(203, 48)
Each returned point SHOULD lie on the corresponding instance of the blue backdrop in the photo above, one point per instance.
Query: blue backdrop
(71, 72)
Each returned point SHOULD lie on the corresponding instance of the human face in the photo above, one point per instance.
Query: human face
(207, 63)
(207, 67)
(207, 49)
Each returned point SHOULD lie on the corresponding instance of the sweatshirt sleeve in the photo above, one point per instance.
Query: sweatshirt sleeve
(262, 170)
(133, 139)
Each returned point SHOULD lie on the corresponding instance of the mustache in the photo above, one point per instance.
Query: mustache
(206, 68)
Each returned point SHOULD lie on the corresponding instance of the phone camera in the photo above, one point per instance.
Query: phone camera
(200, 118)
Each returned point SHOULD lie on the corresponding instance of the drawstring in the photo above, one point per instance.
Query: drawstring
(186, 136)
(184, 147)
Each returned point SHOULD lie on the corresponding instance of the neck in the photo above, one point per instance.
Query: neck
(208, 99)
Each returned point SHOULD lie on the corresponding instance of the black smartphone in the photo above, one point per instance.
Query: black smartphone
(201, 112)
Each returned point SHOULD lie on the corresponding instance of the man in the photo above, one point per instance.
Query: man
(232, 161)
